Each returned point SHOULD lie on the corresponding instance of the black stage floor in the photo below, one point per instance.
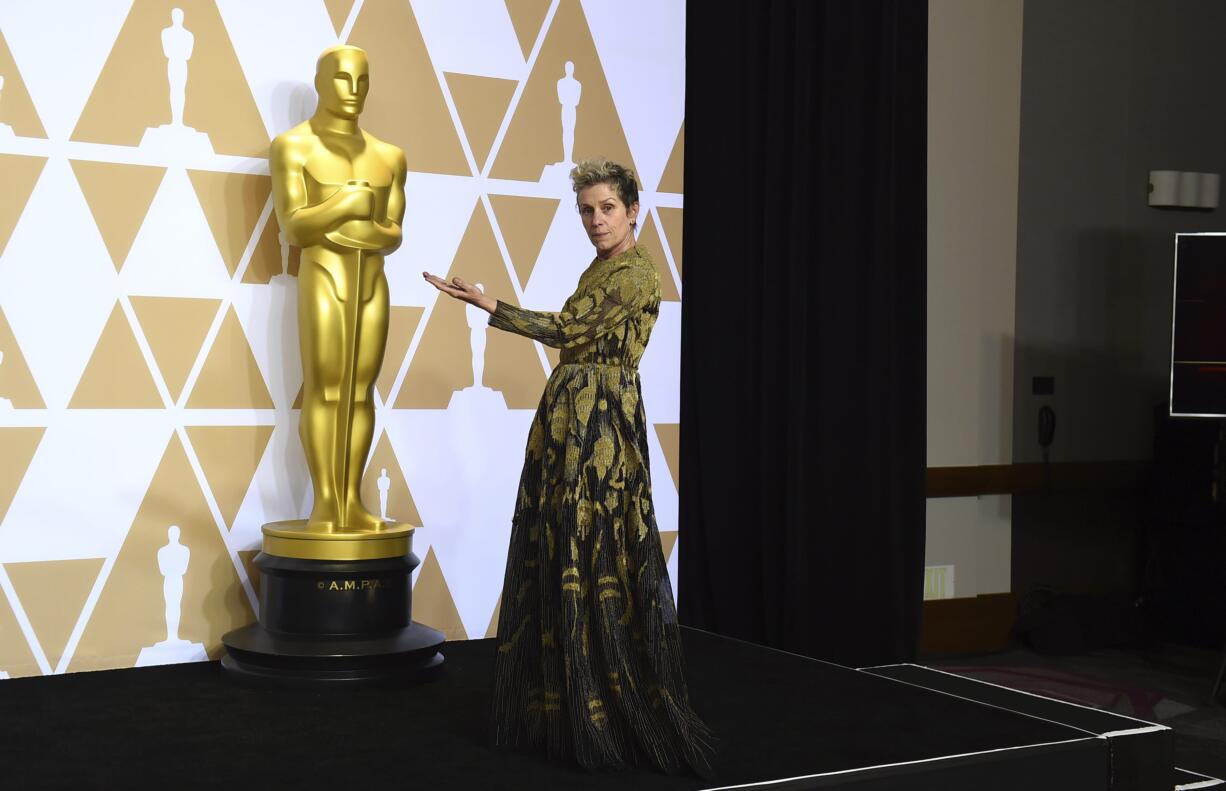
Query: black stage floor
(784, 721)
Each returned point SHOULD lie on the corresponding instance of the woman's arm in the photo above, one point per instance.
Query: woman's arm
(606, 306)
(465, 292)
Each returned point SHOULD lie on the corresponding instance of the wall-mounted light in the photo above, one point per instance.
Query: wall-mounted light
(1179, 189)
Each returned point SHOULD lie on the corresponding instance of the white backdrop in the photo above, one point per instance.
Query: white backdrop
(150, 373)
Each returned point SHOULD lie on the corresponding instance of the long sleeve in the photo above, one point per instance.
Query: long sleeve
(604, 307)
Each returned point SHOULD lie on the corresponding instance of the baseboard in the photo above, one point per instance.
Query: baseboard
(1076, 476)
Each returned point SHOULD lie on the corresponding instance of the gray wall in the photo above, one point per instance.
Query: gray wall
(1111, 89)
(974, 94)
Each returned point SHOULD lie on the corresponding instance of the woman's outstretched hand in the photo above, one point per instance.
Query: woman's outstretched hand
(465, 292)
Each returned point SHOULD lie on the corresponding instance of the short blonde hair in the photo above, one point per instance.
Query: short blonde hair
(601, 171)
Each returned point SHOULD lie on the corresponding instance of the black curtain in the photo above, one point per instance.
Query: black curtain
(803, 349)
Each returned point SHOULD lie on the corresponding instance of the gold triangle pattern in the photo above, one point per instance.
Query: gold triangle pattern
(17, 387)
(119, 197)
(527, 16)
(442, 363)
(20, 173)
(175, 328)
(229, 456)
(668, 541)
(230, 377)
(17, 110)
(649, 237)
(673, 178)
(116, 376)
(53, 594)
(338, 12)
(413, 114)
(400, 506)
(481, 103)
(669, 435)
(130, 613)
(232, 204)
(432, 601)
(131, 93)
(16, 658)
(671, 220)
(531, 143)
(19, 444)
(524, 223)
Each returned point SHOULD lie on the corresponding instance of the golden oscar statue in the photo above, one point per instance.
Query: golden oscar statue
(340, 579)
(339, 195)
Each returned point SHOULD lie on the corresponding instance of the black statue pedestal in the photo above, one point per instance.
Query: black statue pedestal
(344, 622)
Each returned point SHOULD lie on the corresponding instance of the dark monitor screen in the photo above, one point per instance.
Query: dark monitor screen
(1198, 326)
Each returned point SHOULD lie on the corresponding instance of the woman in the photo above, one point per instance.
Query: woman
(589, 660)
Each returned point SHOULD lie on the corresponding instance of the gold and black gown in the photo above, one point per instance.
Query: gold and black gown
(588, 659)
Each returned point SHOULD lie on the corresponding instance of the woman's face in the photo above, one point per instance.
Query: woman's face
(606, 219)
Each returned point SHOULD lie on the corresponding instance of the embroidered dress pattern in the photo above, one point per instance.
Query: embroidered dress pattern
(589, 661)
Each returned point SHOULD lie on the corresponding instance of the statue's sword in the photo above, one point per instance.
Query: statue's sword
(348, 394)
(349, 390)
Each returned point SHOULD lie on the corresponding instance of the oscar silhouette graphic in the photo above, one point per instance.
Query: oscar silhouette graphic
(385, 484)
(478, 394)
(177, 45)
(570, 90)
(173, 560)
